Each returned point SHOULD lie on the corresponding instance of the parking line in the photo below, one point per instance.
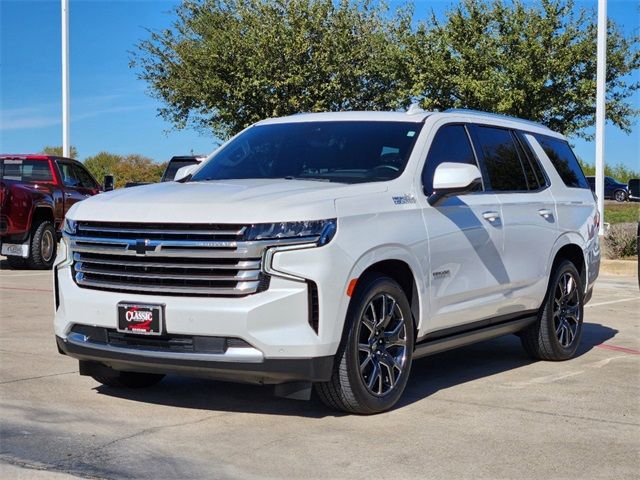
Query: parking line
(611, 301)
(26, 289)
(632, 351)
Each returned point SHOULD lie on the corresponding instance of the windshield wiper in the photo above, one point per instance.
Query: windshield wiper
(312, 179)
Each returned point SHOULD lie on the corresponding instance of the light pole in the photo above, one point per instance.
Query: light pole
(601, 73)
(65, 78)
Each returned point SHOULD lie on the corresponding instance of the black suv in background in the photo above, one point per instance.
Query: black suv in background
(176, 163)
(613, 189)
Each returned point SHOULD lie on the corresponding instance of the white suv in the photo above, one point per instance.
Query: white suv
(331, 250)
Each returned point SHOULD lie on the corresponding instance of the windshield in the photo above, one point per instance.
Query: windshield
(25, 170)
(344, 152)
(173, 167)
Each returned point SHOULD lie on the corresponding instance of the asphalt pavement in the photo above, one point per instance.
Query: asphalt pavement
(483, 411)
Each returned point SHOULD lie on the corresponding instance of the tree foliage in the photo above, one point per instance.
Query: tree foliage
(225, 64)
(125, 168)
(57, 151)
(620, 172)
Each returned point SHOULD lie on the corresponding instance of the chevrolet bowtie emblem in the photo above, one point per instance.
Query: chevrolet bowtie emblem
(142, 247)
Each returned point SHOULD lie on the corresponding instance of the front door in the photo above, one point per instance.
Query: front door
(467, 275)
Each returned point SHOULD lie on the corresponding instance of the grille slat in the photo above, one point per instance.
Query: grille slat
(192, 260)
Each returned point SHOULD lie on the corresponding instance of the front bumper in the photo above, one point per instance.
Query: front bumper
(235, 366)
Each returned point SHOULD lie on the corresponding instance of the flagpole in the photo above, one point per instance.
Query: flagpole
(65, 78)
(601, 72)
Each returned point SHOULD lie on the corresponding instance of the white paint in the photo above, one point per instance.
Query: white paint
(611, 301)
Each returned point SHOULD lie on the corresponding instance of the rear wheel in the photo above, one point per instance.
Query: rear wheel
(42, 251)
(128, 379)
(556, 333)
(374, 359)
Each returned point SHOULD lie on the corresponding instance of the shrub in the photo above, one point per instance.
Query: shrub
(621, 241)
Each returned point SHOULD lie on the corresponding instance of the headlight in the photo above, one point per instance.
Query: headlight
(69, 226)
(319, 231)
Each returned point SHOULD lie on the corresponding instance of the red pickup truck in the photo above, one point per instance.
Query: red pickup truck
(35, 193)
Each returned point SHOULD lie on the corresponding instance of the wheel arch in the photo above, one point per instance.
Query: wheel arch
(569, 247)
(400, 265)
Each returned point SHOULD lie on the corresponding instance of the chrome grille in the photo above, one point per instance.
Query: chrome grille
(171, 259)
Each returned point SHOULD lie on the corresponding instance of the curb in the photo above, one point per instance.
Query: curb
(626, 268)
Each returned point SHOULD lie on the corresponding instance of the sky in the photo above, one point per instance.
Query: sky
(112, 110)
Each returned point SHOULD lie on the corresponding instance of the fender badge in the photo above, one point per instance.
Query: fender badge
(405, 199)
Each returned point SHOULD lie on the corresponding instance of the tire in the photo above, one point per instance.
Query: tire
(16, 263)
(42, 250)
(620, 196)
(556, 334)
(361, 358)
(129, 379)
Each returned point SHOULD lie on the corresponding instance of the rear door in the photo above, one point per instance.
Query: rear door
(528, 214)
(467, 275)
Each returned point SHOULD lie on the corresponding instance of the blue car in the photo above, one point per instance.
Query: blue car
(613, 189)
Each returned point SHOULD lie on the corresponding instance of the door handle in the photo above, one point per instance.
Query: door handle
(545, 212)
(491, 216)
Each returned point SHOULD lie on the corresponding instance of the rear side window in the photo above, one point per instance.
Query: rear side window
(25, 170)
(533, 171)
(501, 160)
(451, 144)
(563, 159)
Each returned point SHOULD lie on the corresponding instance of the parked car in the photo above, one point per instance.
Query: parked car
(613, 189)
(176, 163)
(332, 250)
(634, 189)
(35, 193)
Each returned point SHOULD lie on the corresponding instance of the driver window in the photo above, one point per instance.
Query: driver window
(84, 178)
(68, 175)
(450, 144)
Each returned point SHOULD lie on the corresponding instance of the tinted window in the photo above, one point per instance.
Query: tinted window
(451, 144)
(69, 177)
(501, 159)
(345, 152)
(84, 178)
(25, 170)
(563, 159)
(530, 163)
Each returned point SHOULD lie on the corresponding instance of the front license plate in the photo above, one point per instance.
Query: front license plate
(140, 319)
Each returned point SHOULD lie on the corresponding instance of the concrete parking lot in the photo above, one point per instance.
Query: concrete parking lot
(485, 411)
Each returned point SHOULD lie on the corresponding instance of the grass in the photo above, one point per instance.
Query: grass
(628, 212)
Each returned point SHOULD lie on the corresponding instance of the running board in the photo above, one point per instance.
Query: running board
(431, 347)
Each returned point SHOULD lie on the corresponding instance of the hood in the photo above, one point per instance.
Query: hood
(222, 201)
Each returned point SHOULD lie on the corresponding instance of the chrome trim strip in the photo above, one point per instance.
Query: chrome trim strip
(267, 263)
(143, 231)
(244, 288)
(245, 354)
(244, 275)
(240, 265)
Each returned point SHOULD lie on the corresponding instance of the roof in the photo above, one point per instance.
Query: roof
(349, 116)
(32, 156)
(417, 115)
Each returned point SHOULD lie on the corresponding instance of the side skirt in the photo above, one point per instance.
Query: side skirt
(474, 335)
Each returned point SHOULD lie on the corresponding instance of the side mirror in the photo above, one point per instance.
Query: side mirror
(109, 181)
(454, 179)
(185, 171)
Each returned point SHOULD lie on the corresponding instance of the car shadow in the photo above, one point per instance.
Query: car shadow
(428, 376)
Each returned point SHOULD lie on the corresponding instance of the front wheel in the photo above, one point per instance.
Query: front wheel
(374, 358)
(556, 333)
(620, 196)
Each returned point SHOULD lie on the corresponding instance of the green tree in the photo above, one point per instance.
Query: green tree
(228, 63)
(225, 64)
(125, 168)
(57, 151)
(535, 62)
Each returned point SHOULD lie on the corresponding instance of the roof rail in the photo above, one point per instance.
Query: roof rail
(468, 111)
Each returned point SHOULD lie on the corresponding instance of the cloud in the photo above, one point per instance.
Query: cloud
(50, 114)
